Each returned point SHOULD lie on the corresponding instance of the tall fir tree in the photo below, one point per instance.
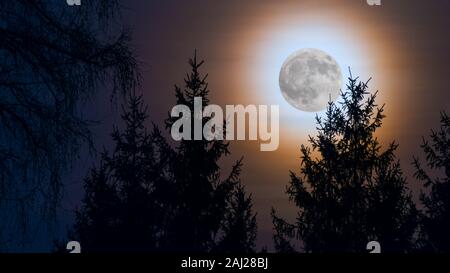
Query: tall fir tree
(203, 193)
(435, 222)
(352, 192)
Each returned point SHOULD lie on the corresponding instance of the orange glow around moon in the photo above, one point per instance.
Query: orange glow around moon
(270, 34)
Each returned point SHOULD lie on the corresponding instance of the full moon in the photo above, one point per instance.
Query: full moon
(309, 79)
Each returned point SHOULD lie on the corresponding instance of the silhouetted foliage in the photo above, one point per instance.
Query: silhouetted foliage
(97, 222)
(352, 192)
(281, 242)
(149, 195)
(239, 226)
(123, 208)
(204, 198)
(435, 224)
(52, 57)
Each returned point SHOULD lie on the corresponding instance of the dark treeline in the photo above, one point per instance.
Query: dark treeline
(149, 193)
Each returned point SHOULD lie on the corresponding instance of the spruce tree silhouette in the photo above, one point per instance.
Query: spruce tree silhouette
(282, 232)
(52, 59)
(352, 192)
(153, 195)
(435, 222)
(124, 208)
(204, 197)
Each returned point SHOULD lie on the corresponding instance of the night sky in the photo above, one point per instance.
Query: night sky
(403, 45)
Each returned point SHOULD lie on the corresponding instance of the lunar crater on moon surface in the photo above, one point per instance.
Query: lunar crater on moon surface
(309, 78)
